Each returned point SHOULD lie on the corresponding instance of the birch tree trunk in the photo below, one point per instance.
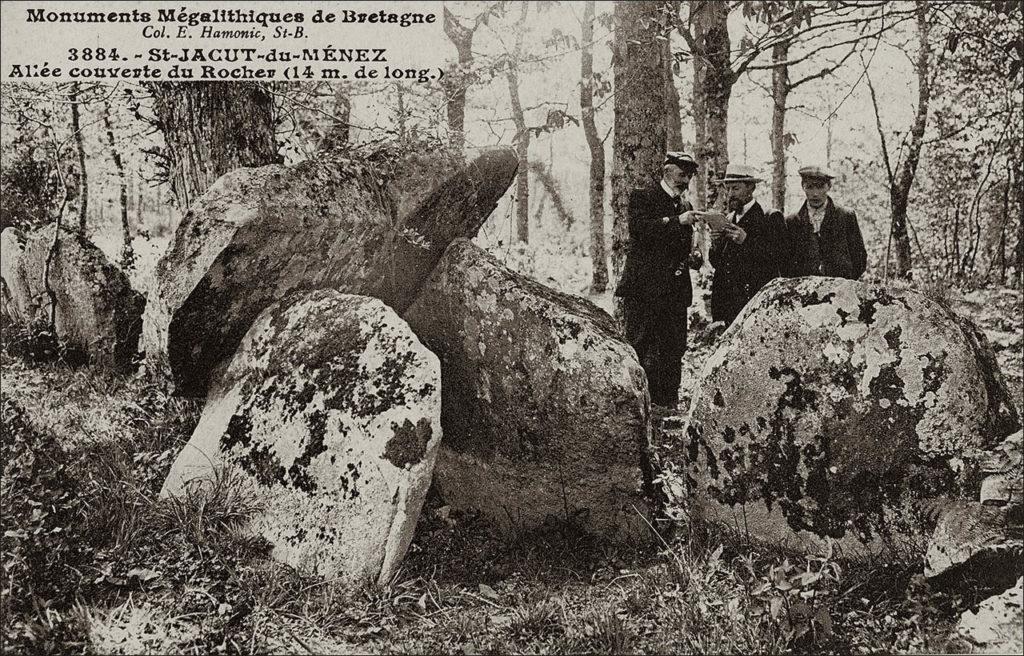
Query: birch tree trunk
(522, 138)
(598, 254)
(457, 80)
(673, 120)
(127, 254)
(780, 94)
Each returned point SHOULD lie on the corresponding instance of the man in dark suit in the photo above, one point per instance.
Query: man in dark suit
(748, 251)
(655, 283)
(824, 238)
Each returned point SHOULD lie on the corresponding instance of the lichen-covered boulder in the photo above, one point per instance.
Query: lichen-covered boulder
(328, 416)
(545, 410)
(833, 405)
(98, 314)
(15, 299)
(995, 628)
(258, 234)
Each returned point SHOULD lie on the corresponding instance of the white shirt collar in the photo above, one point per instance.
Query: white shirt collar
(668, 190)
(746, 208)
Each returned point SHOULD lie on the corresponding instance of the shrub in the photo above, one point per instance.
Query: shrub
(43, 549)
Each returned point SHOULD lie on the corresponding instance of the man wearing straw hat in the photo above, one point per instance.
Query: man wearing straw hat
(824, 238)
(747, 249)
(655, 283)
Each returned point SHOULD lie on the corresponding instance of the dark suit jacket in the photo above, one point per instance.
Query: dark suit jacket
(741, 270)
(837, 250)
(657, 251)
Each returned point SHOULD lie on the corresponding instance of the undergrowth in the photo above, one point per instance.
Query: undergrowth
(95, 562)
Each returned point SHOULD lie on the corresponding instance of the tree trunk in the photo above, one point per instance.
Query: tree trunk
(341, 116)
(639, 131)
(547, 180)
(83, 177)
(457, 80)
(900, 194)
(673, 119)
(402, 116)
(211, 128)
(127, 254)
(598, 254)
(713, 82)
(1019, 254)
(780, 94)
(698, 104)
(522, 138)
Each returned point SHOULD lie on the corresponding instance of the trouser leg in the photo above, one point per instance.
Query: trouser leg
(639, 334)
(671, 346)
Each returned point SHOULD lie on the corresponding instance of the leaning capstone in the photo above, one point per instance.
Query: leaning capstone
(833, 406)
(259, 234)
(98, 314)
(544, 408)
(328, 417)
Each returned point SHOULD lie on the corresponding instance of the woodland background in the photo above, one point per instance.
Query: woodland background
(916, 107)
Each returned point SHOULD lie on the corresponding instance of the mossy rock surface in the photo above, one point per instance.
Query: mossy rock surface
(98, 316)
(329, 414)
(833, 406)
(260, 234)
(545, 409)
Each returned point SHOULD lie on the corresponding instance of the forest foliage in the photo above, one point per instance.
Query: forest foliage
(772, 84)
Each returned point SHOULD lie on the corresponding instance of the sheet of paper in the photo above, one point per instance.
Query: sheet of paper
(715, 220)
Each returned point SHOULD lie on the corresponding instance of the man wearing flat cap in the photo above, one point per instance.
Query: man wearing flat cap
(747, 252)
(825, 239)
(655, 283)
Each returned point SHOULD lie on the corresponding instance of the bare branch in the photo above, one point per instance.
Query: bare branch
(881, 132)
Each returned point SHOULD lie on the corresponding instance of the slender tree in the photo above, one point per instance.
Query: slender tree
(75, 99)
(901, 173)
(522, 138)
(341, 116)
(127, 253)
(598, 253)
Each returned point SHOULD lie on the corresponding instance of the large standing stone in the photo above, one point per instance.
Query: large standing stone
(329, 417)
(833, 403)
(98, 314)
(545, 410)
(15, 298)
(258, 234)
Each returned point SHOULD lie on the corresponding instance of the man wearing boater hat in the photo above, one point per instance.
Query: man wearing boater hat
(748, 251)
(655, 283)
(825, 239)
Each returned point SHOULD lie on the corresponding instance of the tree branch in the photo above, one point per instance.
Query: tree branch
(881, 133)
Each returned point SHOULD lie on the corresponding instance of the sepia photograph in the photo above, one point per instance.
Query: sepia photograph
(512, 327)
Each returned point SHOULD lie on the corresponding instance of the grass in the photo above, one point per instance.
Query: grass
(130, 573)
